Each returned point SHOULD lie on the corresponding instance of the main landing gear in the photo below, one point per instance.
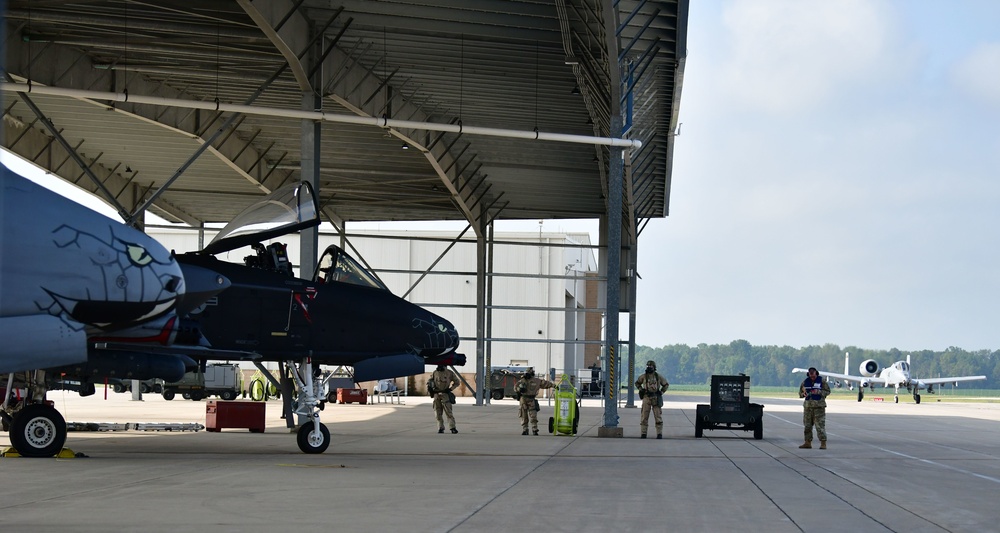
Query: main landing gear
(36, 428)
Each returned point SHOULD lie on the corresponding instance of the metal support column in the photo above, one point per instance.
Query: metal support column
(481, 369)
(614, 210)
(488, 365)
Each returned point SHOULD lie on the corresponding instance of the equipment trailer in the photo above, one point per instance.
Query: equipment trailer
(730, 407)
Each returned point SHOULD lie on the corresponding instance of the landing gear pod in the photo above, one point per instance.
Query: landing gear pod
(567, 409)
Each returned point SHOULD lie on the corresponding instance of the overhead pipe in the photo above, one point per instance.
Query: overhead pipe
(379, 122)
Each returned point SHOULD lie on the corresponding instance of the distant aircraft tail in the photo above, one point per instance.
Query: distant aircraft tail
(847, 369)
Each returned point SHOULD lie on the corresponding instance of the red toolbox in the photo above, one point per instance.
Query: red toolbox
(221, 414)
(352, 395)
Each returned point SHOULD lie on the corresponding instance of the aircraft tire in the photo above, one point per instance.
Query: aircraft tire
(118, 387)
(168, 395)
(311, 443)
(697, 428)
(758, 430)
(896, 398)
(916, 398)
(861, 394)
(144, 388)
(38, 430)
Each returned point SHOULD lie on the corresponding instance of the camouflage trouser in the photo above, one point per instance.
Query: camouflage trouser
(651, 403)
(442, 405)
(814, 415)
(528, 413)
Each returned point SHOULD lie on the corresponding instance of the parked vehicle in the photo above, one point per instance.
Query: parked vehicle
(503, 379)
(125, 385)
(224, 380)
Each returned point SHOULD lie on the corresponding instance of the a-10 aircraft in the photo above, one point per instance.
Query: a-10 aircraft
(84, 298)
(897, 376)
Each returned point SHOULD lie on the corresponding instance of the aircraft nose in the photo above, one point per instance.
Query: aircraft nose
(437, 335)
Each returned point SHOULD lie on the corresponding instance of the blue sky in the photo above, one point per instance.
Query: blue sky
(835, 180)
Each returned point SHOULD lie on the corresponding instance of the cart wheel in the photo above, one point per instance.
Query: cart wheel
(552, 425)
(575, 425)
(697, 428)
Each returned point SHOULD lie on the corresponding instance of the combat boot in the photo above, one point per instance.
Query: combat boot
(525, 432)
(440, 430)
(806, 445)
(822, 444)
(642, 436)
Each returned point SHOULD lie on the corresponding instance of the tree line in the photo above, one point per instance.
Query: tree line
(772, 365)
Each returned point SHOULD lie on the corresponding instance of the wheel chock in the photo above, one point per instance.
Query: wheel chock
(64, 453)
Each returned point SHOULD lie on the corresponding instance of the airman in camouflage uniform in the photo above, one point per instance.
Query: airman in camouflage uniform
(527, 389)
(442, 382)
(651, 388)
(815, 390)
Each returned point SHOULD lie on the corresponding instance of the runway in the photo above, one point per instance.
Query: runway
(890, 467)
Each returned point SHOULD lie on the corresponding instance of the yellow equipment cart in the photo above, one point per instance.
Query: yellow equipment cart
(567, 408)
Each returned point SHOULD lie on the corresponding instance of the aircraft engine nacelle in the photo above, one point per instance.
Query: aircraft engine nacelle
(864, 383)
(869, 368)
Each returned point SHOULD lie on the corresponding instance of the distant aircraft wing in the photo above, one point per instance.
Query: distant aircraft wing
(936, 381)
(842, 377)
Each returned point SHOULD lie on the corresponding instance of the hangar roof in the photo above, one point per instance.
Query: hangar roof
(549, 66)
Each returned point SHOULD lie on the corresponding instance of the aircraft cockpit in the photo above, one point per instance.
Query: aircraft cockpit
(273, 257)
(335, 266)
(286, 210)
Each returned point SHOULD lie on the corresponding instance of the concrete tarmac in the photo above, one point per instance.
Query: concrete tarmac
(889, 467)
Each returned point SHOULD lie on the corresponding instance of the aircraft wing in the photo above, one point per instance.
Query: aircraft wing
(197, 352)
(842, 377)
(936, 381)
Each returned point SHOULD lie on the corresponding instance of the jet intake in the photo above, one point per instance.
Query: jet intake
(391, 366)
(132, 365)
(869, 368)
